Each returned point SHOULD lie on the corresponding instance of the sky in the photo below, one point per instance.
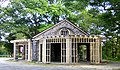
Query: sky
(4, 3)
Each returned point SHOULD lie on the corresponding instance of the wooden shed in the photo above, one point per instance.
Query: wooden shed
(63, 43)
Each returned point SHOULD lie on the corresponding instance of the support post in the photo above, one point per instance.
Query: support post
(68, 50)
(26, 52)
(98, 50)
(15, 52)
(91, 55)
(44, 51)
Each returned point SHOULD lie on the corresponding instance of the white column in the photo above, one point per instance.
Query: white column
(15, 52)
(91, 56)
(98, 52)
(44, 51)
(100, 49)
(29, 50)
(26, 52)
(68, 50)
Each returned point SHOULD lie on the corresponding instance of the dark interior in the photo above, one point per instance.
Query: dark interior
(41, 52)
(87, 50)
(56, 52)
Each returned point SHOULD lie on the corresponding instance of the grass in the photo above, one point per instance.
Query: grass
(115, 69)
(4, 56)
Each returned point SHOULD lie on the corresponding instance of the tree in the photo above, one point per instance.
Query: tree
(107, 4)
(9, 48)
(110, 25)
(27, 16)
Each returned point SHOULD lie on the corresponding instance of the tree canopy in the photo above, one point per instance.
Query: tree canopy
(26, 18)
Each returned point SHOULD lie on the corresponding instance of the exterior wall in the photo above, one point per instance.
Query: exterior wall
(34, 50)
(29, 50)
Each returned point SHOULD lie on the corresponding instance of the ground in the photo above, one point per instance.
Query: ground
(21, 65)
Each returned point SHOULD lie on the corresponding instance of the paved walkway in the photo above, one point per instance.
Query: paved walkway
(8, 65)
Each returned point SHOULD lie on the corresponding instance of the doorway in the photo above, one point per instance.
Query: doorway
(83, 52)
(56, 52)
(40, 53)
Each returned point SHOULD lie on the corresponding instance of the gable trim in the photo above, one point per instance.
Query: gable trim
(78, 28)
(60, 23)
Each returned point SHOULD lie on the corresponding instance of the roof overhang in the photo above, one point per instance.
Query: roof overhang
(20, 40)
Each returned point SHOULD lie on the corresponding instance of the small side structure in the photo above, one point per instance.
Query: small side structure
(63, 43)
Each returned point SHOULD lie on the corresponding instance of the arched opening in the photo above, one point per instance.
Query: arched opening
(22, 52)
(64, 31)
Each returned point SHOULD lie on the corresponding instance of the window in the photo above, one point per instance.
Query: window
(64, 31)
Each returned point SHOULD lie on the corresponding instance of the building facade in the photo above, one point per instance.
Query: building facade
(64, 43)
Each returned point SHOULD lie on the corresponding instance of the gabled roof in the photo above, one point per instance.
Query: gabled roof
(60, 23)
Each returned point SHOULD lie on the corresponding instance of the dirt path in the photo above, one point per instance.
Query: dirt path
(10, 65)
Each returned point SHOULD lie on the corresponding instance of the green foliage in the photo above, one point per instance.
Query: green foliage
(2, 48)
(26, 16)
(9, 48)
(112, 30)
(43, 27)
(76, 5)
(111, 50)
(110, 26)
(6, 48)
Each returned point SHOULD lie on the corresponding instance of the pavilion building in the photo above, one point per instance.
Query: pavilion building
(64, 43)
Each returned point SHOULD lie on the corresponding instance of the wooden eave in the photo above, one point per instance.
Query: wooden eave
(20, 40)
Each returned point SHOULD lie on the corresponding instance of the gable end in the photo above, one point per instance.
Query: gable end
(63, 24)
